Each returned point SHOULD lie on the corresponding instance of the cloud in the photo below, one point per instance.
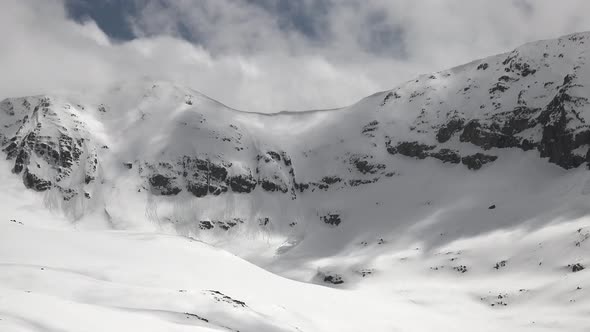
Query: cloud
(266, 55)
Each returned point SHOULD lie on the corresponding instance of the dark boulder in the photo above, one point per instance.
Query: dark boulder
(476, 161)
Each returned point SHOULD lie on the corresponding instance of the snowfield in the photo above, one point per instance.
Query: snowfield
(459, 201)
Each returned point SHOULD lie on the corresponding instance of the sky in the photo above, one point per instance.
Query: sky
(263, 55)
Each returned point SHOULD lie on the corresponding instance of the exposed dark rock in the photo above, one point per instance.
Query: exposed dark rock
(333, 279)
(274, 155)
(220, 297)
(577, 267)
(447, 156)
(449, 129)
(369, 128)
(163, 185)
(286, 159)
(460, 268)
(331, 219)
(364, 166)
(482, 66)
(498, 87)
(421, 151)
(365, 272)
(217, 176)
(195, 315)
(476, 161)
(329, 277)
(491, 207)
(500, 264)
(390, 95)
(475, 134)
(67, 193)
(329, 180)
(221, 224)
(217, 189)
(128, 165)
(32, 181)
(242, 183)
(225, 225)
(358, 182)
(272, 186)
(410, 149)
(197, 189)
(558, 141)
(301, 186)
(205, 224)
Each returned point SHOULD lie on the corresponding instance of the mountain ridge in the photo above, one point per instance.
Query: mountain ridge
(461, 196)
(175, 141)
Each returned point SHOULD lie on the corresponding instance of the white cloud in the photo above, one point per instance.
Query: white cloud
(248, 57)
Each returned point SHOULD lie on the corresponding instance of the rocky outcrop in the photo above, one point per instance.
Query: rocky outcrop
(332, 219)
(446, 131)
(48, 145)
(201, 176)
(532, 101)
(446, 156)
(559, 137)
(422, 151)
(487, 137)
(242, 183)
(410, 149)
(163, 185)
(365, 166)
(476, 161)
(31, 181)
(370, 128)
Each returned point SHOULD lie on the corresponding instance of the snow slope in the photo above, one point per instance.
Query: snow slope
(461, 196)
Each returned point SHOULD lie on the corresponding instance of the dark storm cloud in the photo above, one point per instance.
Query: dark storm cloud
(110, 15)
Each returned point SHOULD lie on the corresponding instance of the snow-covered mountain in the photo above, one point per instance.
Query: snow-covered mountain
(475, 174)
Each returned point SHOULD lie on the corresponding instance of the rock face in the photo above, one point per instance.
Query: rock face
(178, 143)
(49, 145)
(477, 160)
(577, 267)
(201, 176)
